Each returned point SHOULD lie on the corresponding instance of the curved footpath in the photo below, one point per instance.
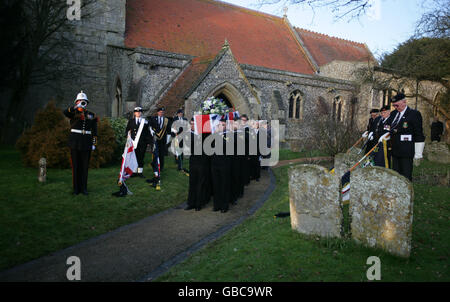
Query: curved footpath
(144, 250)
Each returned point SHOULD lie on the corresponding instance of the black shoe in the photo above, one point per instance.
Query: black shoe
(141, 175)
(85, 192)
(189, 208)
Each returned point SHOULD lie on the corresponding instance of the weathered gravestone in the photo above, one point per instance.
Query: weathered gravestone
(344, 161)
(314, 201)
(381, 207)
(437, 152)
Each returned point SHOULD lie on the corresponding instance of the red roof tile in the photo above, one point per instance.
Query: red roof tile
(174, 97)
(326, 49)
(200, 27)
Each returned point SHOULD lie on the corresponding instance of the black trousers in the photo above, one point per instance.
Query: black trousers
(246, 166)
(199, 194)
(403, 165)
(140, 154)
(255, 170)
(237, 179)
(179, 161)
(80, 166)
(220, 172)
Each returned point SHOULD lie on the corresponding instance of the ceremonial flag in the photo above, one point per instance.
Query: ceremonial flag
(232, 115)
(345, 182)
(380, 155)
(129, 161)
(206, 123)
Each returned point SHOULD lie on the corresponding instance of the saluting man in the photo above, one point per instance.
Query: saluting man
(82, 140)
(140, 134)
(408, 140)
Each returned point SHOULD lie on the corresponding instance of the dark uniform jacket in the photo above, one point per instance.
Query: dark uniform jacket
(82, 121)
(405, 132)
(145, 137)
(161, 132)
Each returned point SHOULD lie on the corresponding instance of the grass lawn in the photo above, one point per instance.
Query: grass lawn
(286, 154)
(37, 219)
(266, 249)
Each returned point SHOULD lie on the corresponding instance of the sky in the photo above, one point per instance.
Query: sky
(385, 26)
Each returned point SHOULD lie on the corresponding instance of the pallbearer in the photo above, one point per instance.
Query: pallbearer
(255, 165)
(140, 134)
(199, 172)
(237, 178)
(220, 170)
(82, 140)
(246, 159)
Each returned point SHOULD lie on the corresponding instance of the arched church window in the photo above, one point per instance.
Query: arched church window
(296, 105)
(117, 106)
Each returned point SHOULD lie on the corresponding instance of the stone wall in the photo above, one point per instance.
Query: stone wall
(314, 201)
(381, 207)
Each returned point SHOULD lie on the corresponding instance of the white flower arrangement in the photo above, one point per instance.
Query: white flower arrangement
(214, 105)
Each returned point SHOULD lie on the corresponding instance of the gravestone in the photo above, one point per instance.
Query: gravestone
(381, 207)
(437, 152)
(314, 201)
(344, 161)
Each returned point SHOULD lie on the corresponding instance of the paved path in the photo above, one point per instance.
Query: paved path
(144, 250)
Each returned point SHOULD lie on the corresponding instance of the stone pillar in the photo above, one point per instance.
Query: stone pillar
(314, 201)
(381, 207)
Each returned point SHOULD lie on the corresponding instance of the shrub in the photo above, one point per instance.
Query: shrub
(49, 135)
(119, 125)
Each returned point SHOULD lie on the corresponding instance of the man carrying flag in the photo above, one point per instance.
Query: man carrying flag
(129, 164)
(140, 134)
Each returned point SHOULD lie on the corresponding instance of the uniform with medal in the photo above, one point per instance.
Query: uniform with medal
(82, 141)
(382, 155)
(407, 136)
(140, 134)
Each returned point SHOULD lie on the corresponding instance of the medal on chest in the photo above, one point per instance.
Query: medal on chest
(405, 125)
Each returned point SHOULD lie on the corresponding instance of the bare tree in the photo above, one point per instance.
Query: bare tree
(340, 8)
(37, 52)
(435, 22)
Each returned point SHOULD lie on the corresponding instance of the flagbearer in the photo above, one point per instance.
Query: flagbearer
(140, 134)
(82, 141)
(408, 139)
(382, 156)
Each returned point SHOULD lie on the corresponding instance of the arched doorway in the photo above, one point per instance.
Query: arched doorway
(233, 98)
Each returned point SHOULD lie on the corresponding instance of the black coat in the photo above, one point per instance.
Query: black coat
(86, 121)
(406, 132)
(145, 138)
(161, 132)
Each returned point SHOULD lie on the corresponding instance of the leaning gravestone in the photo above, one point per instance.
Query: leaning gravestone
(381, 207)
(344, 161)
(314, 201)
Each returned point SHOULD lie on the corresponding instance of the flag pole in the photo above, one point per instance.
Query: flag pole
(357, 142)
(364, 157)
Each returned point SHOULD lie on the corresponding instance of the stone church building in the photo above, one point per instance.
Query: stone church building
(176, 53)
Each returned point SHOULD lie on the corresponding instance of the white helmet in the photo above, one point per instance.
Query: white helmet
(81, 96)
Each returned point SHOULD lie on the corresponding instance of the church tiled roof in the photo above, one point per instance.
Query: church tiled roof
(175, 96)
(326, 49)
(200, 27)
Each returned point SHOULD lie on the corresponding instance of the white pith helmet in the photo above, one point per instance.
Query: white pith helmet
(81, 96)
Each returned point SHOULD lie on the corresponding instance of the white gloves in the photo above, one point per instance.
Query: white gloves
(93, 147)
(365, 134)
(385, 137)
(418, 150)
(370, 137)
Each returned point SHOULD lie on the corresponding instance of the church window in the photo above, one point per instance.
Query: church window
(296, 105)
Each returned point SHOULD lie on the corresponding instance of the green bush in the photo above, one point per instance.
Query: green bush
(49, 135)
(119, 125)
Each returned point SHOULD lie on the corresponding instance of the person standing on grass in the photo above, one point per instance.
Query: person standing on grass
(140, 134)
(82, 141)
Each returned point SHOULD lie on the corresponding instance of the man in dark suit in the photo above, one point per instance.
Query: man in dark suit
(140, 134)
(407, 136)
(371, 127)
(160, 126)
(82, 141)
(381, 157)
(179, 120)
(437, 128)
